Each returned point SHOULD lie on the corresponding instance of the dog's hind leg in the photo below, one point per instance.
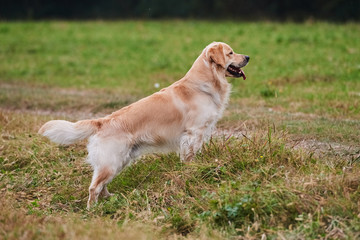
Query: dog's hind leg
(105, 193)
(98, 184)
(108, 157)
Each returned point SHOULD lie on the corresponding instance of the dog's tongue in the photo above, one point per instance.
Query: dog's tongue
(243, 74)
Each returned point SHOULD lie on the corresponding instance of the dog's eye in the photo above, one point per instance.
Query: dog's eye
(230, 53)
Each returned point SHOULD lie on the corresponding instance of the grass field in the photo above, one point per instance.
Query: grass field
(284, 163)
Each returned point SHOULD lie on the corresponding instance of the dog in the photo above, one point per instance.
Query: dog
(178, 118)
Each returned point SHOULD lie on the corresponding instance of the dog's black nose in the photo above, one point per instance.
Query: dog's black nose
(247, 58)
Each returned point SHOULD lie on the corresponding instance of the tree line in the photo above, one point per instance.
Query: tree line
(277, 10)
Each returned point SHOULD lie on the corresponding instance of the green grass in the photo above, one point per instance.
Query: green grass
(287, 166)
(315, 64)
(249, 187)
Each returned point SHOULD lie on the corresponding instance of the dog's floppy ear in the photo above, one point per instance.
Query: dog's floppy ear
(216, 54)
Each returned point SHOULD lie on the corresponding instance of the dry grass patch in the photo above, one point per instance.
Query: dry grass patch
(17, 223)
(66, 103)
(248, 186)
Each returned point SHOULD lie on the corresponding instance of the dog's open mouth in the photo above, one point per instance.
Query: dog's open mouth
(236, 71)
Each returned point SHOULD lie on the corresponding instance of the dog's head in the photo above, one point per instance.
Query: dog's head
(222, 55)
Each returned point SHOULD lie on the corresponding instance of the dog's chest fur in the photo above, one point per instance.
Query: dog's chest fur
(211, 105)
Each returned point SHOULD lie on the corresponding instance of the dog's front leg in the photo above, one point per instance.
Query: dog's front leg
(190, 144)
(186, 153)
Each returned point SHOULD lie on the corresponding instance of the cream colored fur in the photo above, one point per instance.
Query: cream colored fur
(177, 118)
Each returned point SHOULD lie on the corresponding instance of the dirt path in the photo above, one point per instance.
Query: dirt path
(75, 104)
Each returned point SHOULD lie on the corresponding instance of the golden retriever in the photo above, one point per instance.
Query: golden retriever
(177, 118)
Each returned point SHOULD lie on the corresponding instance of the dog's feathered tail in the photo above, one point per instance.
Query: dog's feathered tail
(65, 132)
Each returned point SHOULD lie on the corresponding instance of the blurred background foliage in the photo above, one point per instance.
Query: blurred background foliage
(275, 10)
